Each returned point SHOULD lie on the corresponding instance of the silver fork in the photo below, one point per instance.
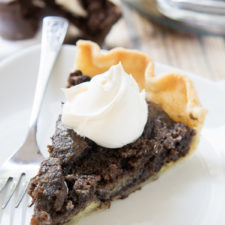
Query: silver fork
(26, 160)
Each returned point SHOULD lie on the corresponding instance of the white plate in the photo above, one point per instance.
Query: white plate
(193, 192)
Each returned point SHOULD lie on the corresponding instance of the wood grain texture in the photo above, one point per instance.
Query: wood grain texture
(201, 55)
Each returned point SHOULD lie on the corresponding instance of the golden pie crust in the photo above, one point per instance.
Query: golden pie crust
(173, 91)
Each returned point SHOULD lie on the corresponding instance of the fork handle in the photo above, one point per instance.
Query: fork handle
(53, 34)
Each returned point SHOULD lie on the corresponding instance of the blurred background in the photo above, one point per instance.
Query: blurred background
(187, 34)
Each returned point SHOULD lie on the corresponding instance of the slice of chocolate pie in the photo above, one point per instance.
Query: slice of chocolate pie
(116, 132)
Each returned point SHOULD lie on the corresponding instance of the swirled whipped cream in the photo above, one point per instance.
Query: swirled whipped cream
(110, 109)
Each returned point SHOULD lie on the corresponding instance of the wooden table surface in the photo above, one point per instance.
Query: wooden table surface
(200, 54)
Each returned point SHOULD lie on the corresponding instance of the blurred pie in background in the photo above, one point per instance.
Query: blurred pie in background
(89, 19)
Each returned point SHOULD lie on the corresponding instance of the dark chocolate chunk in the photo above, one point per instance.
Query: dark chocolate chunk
(76, 78)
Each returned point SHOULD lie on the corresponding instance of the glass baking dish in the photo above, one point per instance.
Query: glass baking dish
(202, 16)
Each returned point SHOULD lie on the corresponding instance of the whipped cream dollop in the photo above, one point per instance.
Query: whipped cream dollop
(73, 6)
(110, 109)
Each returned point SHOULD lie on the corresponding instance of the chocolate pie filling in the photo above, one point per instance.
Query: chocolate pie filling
(79, 171)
